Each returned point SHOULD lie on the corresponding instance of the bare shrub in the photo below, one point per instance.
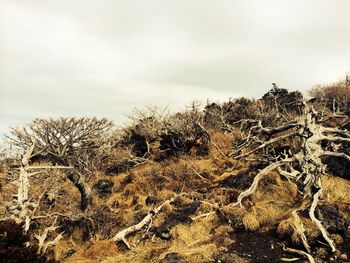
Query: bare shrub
(335, 96)
(283, 102)
(146, 127)
(155, 132)
(66, 141)
(73, 142)
(275, 107)
(224, 116)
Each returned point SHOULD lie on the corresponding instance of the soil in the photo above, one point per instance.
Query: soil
(173, 258)
(334, 220)
(257, 247)
(338, 167)
(331, 217)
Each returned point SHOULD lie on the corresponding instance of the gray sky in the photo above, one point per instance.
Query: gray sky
(106, 57)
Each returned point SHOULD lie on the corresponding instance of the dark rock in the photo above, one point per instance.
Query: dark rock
(229, 258)
(258, 247)
(332, 218)
(137, 140)
(290, 101)
(104, 187)
(151, 200)
(121, 167)
(13, 245)
(178, 217)
(240, 181)
(338, 166)
(68, 226)
(173, 143)
(127, 180)
(173, 258)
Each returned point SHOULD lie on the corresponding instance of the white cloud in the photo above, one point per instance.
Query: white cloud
(106, 57)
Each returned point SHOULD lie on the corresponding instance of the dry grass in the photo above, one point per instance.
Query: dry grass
(199, 178)
(223, 141)
(192, 241)
(274, 200)
(251, 220)
(336, 190)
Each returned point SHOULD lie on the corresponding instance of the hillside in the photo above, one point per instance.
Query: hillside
(249, 180)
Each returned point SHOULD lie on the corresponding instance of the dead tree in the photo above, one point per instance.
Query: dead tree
(305, 166)
(62, 140)
(85, 191)
(24, 206)
(74, 142)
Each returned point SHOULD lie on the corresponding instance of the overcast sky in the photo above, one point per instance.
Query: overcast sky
(106, 57)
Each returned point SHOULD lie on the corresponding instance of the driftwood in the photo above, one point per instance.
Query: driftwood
(147, 220)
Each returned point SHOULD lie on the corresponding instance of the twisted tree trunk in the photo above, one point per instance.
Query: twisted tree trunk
(85, 192)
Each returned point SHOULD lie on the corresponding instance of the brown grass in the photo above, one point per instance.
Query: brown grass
(335, 189)
(199, 178)
(192, 241)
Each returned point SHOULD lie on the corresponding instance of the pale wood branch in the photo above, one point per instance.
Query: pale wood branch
(300, 252)
(318, 222)
(121, 236)
(258, 177)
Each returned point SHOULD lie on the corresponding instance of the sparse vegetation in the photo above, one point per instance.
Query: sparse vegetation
(335, 96)
(194, 186)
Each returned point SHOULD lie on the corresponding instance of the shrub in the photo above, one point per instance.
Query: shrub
(334, 96)
(73, 141)
(154, 130)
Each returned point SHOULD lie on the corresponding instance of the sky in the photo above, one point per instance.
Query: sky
(105, 57)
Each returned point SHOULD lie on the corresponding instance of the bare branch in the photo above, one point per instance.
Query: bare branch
(43, 244)
(121, 236)
(267, 143)
(299, 252)
(318, 222)
(258, 177)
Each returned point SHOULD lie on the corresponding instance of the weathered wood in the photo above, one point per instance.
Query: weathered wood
(121, 236)
(308, 160)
